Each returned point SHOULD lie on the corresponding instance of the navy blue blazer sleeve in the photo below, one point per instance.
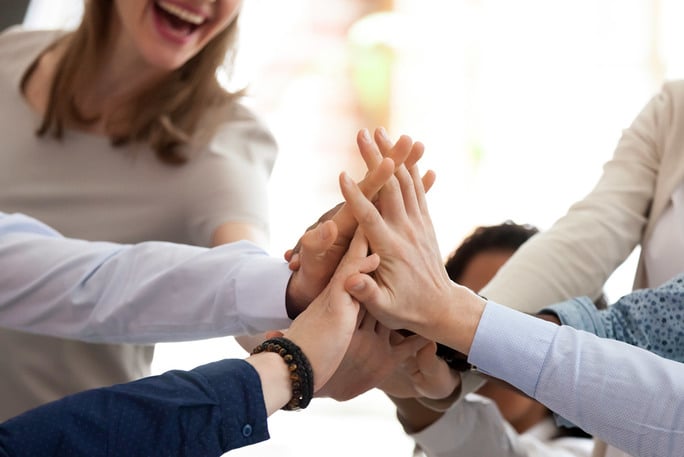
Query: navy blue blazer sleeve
(204, 412)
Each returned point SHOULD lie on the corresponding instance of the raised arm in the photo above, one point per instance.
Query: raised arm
(207, 411)
(648, 318)
(144, 293)
(567, 370)
(317, 253)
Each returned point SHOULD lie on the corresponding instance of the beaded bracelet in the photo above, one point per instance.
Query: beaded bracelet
(301, 373)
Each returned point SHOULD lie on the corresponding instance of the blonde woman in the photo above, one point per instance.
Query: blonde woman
(120, 131)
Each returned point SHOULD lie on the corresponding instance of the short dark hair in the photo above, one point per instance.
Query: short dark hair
(507, 236)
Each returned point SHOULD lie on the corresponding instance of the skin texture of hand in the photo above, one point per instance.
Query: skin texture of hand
(410, 289)
(400, 231)
(317, 253)
(372, 154)
(333, 315)
(426, 376)
(323, 247)
(374, 353)
(324, 330)
(422, 375)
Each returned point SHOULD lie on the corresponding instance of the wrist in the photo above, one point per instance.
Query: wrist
(298, 367)
(456, 323)
(274, 377)
(294, 304)
(416, 414)
(549, 317)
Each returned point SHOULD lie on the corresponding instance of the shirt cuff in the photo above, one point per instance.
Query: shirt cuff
(511, 346)
(238, 389)
(464, 430)
(260, 288)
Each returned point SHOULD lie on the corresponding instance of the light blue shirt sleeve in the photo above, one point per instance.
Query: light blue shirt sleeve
(622, 394)
(144, 293)
(648, 318)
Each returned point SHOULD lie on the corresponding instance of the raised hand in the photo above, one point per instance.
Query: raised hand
(324, 329)
(372, 154)
(318, 252)
(410, 289)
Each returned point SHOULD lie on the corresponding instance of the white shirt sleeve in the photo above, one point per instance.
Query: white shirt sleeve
(144, 293)
(622, 394)
(475, 428)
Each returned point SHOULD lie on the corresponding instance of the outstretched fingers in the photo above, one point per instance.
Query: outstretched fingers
(419, 190)
(314, 246)
(428, 180)
(369, 150)
(364, 212)
(417, 151)
(369, 186)
(408, 157)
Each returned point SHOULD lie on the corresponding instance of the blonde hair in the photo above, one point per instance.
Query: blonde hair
(165, 115)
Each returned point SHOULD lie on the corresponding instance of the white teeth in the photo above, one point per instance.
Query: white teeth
(187, 16)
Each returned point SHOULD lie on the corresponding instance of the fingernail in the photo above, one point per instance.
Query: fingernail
(383, 133)
(345, 178)
(365, 136)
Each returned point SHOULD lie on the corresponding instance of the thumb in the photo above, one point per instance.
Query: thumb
(317, 241)
(365, 290)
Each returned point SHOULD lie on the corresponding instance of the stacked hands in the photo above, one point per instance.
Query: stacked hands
(369, 268)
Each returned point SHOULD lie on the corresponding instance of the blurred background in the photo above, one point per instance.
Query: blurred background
(518, 103)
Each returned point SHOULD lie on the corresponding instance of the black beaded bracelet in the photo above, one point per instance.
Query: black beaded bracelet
(301, 373)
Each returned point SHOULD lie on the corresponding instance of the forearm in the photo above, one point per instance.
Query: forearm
(275, 379)
(205, 412)
(646, 318)
(473, 428)
(414, 416)
(579, 252)
(144, 293)
(571, 372)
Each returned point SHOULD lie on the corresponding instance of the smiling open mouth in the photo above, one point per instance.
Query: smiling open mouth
(181, 20)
